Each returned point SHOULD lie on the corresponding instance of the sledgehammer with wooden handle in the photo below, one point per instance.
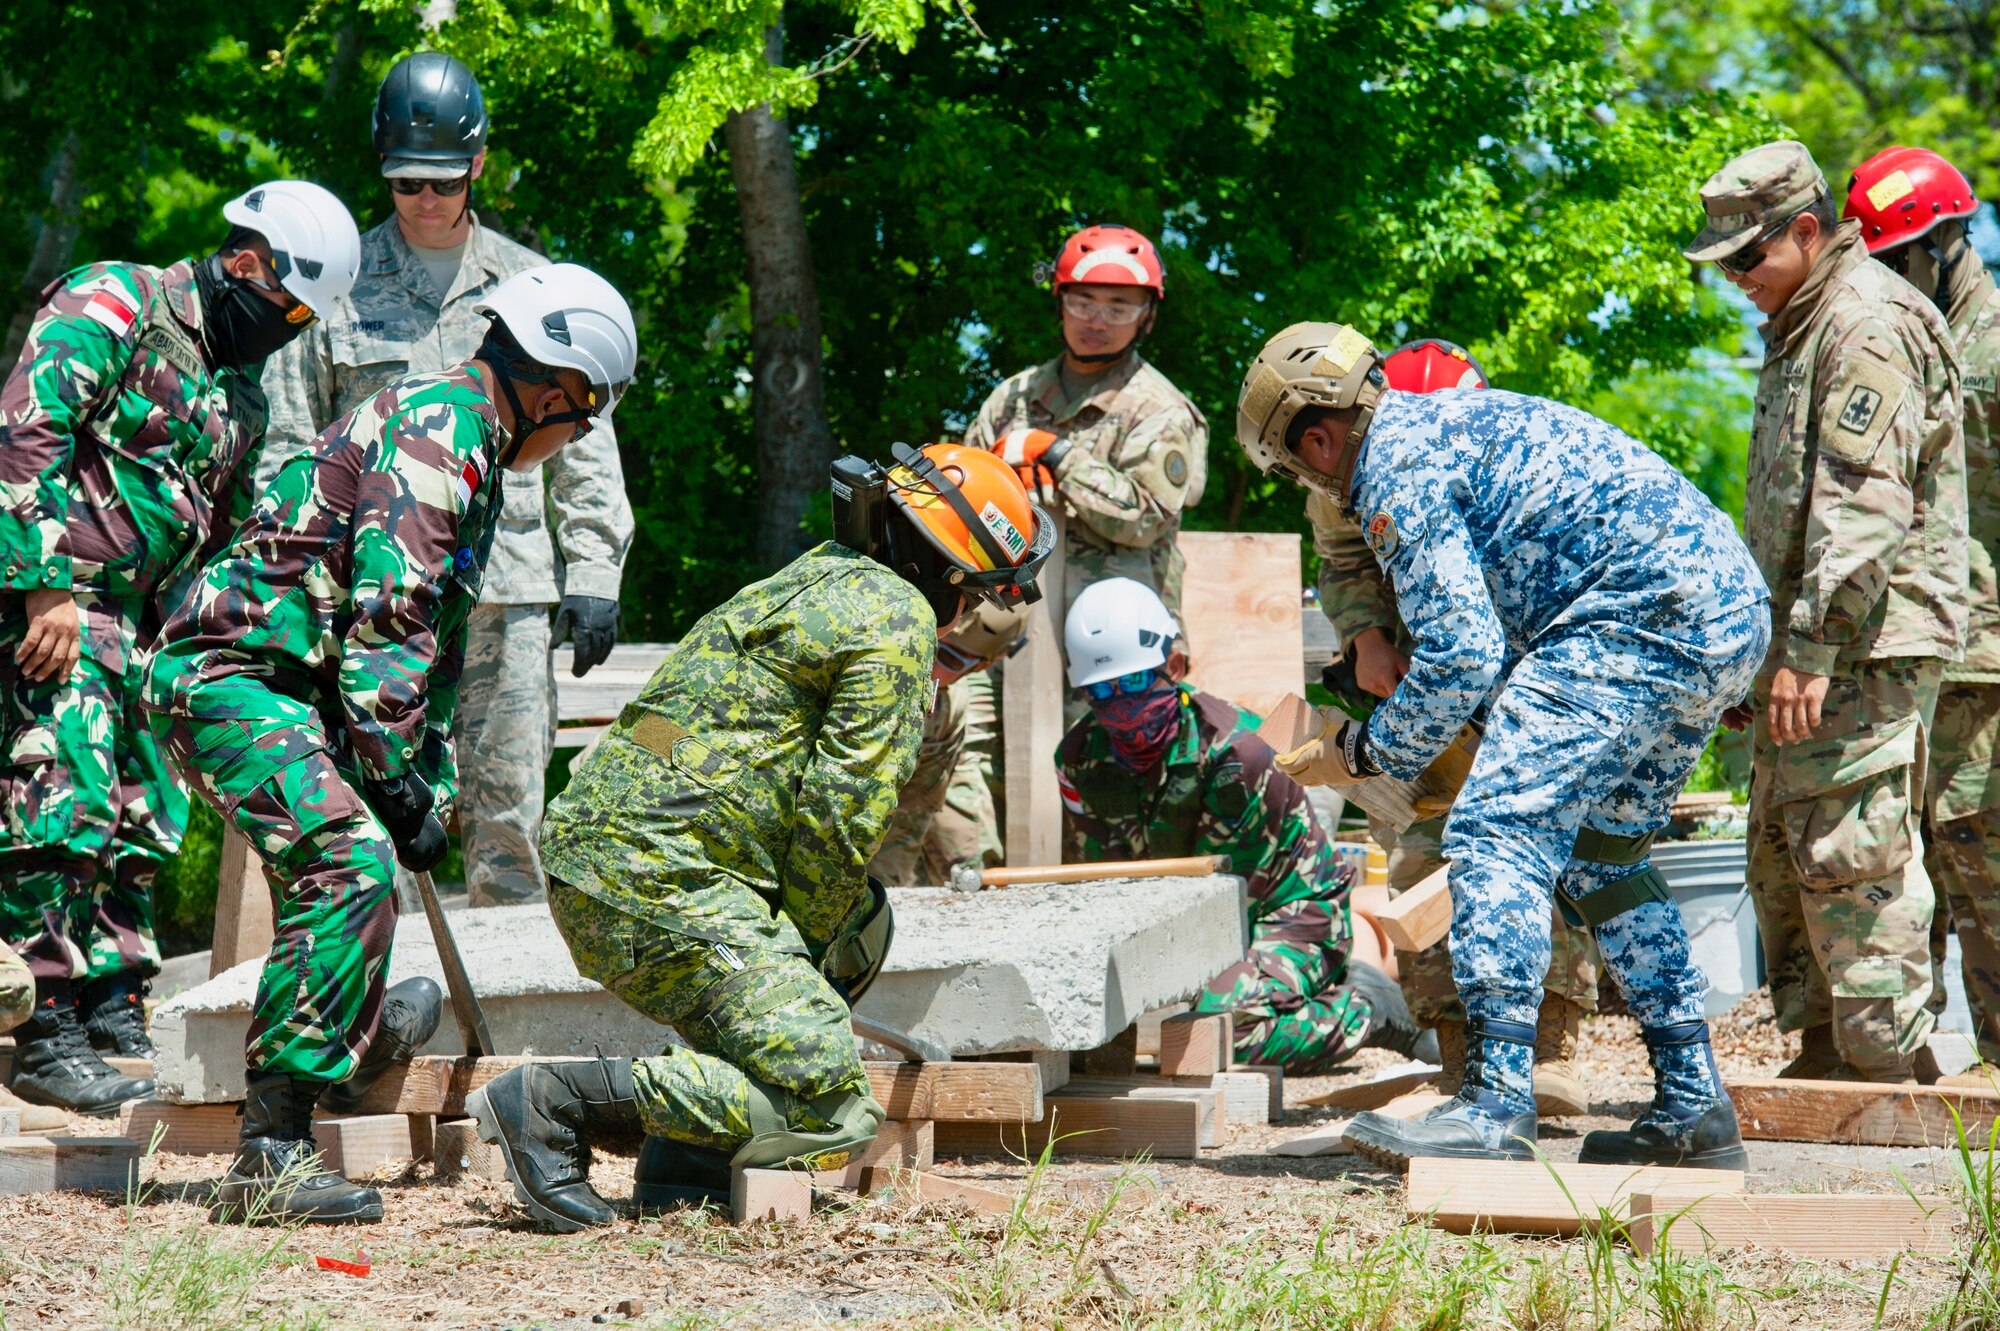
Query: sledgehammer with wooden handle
(964, 878)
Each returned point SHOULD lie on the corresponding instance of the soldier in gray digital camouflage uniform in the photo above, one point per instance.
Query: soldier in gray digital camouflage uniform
(424, 272)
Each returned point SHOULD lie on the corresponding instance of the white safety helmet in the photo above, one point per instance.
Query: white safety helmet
(1117, 626)
(315, 246)
(565, 316)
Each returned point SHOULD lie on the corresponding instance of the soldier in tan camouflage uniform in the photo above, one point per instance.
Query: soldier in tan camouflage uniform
(1912, 205)
(1856, 512)
(944, 813)
(1361, 605)
(424, 273)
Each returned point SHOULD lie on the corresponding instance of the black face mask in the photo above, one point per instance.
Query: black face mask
(239, 325)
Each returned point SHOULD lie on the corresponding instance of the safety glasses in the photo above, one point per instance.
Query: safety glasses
(1133, 681)
(1118, 314)
(444, 189)
(1744, 261)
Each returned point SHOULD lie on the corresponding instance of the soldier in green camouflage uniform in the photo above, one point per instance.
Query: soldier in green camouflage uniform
(125, 429)
(306, 690)
(1856, 512)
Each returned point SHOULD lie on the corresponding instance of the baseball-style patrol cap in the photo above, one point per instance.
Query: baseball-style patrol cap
(418, 168)
(1752, 192)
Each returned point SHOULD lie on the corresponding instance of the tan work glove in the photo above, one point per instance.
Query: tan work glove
(1337, 756)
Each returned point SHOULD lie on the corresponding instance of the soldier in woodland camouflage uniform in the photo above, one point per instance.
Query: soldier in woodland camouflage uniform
(1912, 206)
(1856, 511)
(944, 813)
(425, 272)
(1158, 769)
(124, 432)
(1375, 647)
(306, 690)
(708, 860)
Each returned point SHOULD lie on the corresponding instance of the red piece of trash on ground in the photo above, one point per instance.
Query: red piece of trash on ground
(358, 1268)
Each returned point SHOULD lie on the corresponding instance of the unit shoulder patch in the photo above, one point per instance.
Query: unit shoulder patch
(1175, 466)
(1381, 536)
(1860, 405)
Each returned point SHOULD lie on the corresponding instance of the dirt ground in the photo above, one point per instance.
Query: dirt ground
(1238, 1238)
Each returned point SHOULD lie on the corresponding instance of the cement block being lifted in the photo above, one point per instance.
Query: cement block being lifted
(1065, 966)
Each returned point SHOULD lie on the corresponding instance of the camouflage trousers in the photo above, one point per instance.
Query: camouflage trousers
(17, 989)
(261, 758)
(1962, 850)
(975, 803)
(1289, 998)
(1843, 902)
(920, 844)
(748, 1015)
(1597, 728)
(503, 734)
(92, 811)
(1414, 855)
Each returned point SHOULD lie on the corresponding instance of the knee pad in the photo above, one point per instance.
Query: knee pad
(1621, 895)
(785, 1135)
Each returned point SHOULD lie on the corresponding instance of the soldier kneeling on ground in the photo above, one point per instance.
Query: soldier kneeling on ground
(708, 861)
(1158, 769)
(306, 690)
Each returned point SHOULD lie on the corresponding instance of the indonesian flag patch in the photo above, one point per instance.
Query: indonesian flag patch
(1072, 798)
(469, 479)
(113, 310)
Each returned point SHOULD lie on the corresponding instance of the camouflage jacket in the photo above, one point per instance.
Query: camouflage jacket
(1975, 324)
(1855, 501)
(1138, 456)
(1217, 792)
(396, 322)
(352, 580)
(122, 449)
(1353, 594)
(1501, 518)
(764, 754)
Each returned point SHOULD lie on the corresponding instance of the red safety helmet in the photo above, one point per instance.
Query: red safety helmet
(1110, 255)
(1431, 363)
(1899, 194)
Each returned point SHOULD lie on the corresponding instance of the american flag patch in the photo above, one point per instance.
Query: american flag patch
(110, 309)
(469, 477)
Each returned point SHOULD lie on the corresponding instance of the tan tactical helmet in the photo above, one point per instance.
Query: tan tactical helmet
(1307, 365)
(982, 635)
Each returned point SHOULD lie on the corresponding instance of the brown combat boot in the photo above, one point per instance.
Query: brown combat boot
(1451, 1055)
(36, 1120)
(1819, 1058)
(1558, 1088)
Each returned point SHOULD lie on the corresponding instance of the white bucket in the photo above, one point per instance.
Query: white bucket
(1708, 882)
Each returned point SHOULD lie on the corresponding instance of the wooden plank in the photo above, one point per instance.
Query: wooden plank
(983, 1201)
(1274, 1076)
(1827, 1226)
(1192, 1044)
(1214, 1118)
(1695, 803)
(1860, 1113)
(1080, 1125)
(46, 1164)
(10, 1123)
(1240, 615)
(437, 1084)
(770, 1194)
(1031, 721)
(901, 1145)
(1415, 919)
(1146, 1030)
(243, 927)
(184, 1129)
(357, 1146)
(457, 1152)
(1246, 1096)
(1537, 1197)
(1331, 1138)
(617, 680)
(1377, 1091)
(423, 1135)
(1052, 1063)
(958, 1092)
(130, 1067)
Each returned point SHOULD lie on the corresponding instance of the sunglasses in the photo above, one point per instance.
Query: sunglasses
(1744, 261)
(444, 189)
(1117, 314)
(1134, 681)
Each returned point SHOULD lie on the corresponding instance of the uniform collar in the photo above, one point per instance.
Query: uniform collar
(393, 257)
(1975, 289)
(1046, 389)
(178, 290)
(1843, 254)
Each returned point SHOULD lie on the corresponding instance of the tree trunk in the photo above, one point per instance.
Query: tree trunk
(52, 248)
(794, 442)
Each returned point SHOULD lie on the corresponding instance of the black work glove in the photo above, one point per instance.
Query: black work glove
(404, 806)
(591, 624)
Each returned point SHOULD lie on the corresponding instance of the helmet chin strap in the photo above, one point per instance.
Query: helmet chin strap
(523, 427)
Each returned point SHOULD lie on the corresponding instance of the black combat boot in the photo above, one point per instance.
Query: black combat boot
(114, 1014)
(411, 1012)
(673, 1174)
(1390, 1025)
(1491, 1118)
(277, 1177)
(1691, 1124)
(542, 1117)
(55, 1065)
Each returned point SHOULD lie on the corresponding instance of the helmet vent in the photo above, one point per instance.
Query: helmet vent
(254, 201)
(557, 327)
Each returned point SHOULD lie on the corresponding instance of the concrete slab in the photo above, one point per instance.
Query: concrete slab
(1065, 966)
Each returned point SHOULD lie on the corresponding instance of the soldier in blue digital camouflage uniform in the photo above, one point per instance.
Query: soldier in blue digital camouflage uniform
(1550, 563)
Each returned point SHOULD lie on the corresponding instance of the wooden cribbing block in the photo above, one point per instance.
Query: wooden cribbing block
(1246, 1096)
(1146, 1030)
(423, 1135)
(130, 1067)
(1053, 1063)
(900, 1144)
(1415, 919)
(1377, 1091)
(1851, 1113)
(356, 1147)
(435, 1084)
(770, 1194)
(1274, 1076)
(1537, 1197)
(186, 1129)
(457, 1152)
(958, 1092)
(984, 1201)
(1192, 1045)
(45, 1164)
(1086, 1125)
(1828, 1226)
(1208, 1099)
(10, 1122)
